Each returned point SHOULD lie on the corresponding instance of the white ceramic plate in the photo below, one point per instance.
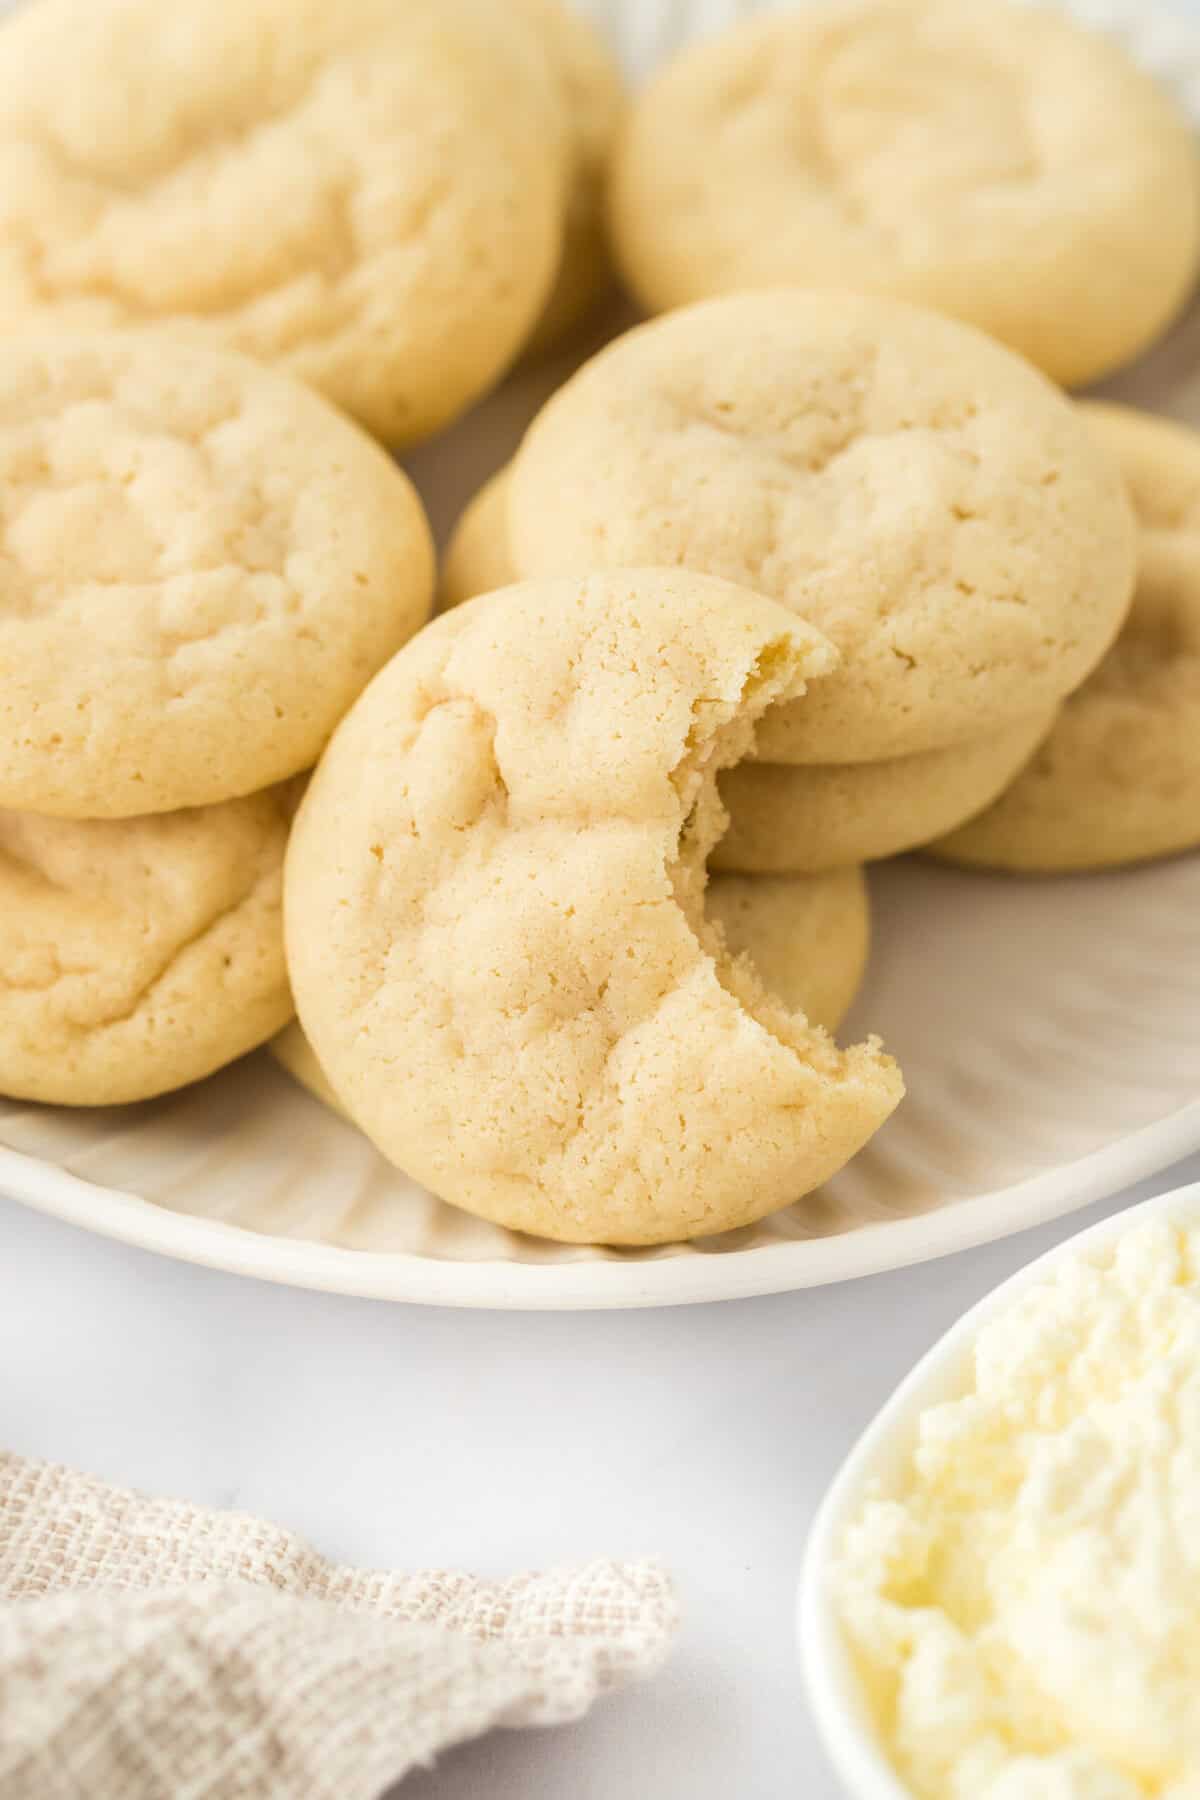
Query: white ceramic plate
(1049, 1031)
(882, 1455)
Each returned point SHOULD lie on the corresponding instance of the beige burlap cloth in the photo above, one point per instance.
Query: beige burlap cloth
(149, 1648)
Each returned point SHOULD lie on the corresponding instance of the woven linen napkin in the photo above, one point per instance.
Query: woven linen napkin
(151, 1649)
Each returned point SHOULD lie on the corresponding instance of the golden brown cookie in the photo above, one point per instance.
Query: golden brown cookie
(997, 163)
(916, 491)
(1118, 778)
(495, 921)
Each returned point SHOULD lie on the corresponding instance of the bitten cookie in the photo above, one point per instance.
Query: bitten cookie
(1118, 778)
(1000, 164)
(828, 815)
(204, 563)
(369, 193)
(494, 918)
(139, 954)
(916, 491)
(595, 102)
(806, 935)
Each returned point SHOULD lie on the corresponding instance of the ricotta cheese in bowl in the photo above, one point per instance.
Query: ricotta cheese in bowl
(1002, 1594)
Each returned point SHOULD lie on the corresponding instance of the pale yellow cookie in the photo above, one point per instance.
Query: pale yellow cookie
(368, 192)
(827, 815)
(786, 818)
(139, 954)
(494, 917)
(1118, 778)
(595, 103)
(806, 935)
(203, 564)
(477, 558)
(918, 492)
(998, 163)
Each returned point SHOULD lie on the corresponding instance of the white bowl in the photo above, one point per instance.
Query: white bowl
(881, 1455)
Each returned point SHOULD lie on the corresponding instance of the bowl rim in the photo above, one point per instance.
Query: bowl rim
(834, 1693)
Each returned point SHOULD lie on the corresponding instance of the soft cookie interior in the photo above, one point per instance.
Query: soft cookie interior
(779, 673)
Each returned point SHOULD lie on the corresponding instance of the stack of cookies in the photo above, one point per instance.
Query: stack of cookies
(780, 582)
(853, 539)
(915, 490)
(1117, 780)
(204, 563)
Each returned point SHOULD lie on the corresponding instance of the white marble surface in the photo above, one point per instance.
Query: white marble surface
(401, 1435)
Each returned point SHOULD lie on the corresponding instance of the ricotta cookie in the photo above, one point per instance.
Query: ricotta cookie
(369, 193)
(827, 815)
(980, 159)
(595, 103)
(478, 559)
(203, 566)
(1118, 778)
(495, 928)
(806, 935)
(139, 954)
(920, 494)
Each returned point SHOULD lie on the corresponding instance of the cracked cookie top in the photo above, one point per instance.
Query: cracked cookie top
(495, 924)
(368, 192)
(807, 937)
(201, 565)
(998, 163)
(913, 489)
(139, 954)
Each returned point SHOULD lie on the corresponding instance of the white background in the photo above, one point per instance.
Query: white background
(399, 1435)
